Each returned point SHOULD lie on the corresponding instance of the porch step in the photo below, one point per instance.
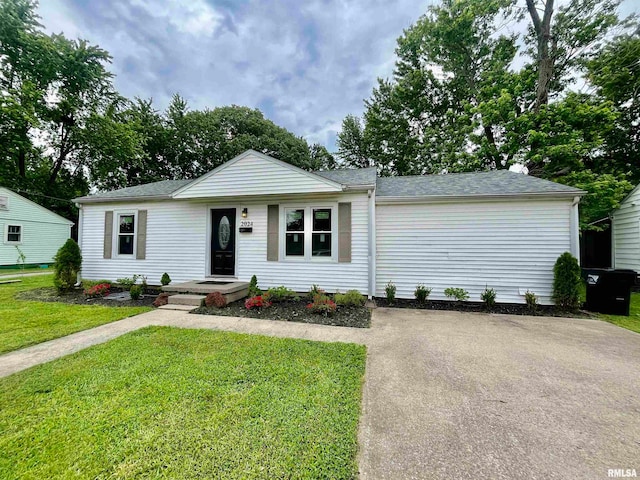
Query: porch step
(185, 299)
(181, 308)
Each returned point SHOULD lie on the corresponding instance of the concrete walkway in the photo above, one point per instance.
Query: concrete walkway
(461, 395)
(18, 360)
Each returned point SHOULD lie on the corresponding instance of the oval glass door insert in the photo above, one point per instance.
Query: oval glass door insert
(224, 232)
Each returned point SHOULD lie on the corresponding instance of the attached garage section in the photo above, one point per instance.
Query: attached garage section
(509, 244)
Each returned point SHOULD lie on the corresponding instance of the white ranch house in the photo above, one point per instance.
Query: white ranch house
(341, 230)
(36, 231)
(625, 233)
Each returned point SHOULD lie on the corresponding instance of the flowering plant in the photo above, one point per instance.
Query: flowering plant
(99, 290)
(259, 301)
(322, 305)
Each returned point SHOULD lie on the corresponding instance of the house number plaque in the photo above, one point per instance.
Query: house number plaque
(246, 226)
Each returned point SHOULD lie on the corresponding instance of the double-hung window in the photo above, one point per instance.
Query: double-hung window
(308, 232)
(126, 233)
(294, 238)
(13, 234)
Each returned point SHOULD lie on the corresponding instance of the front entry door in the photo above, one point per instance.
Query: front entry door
(223, 241)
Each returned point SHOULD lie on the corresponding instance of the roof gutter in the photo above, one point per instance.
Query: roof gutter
(449, 198)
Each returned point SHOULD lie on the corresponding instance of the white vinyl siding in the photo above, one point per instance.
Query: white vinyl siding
(42, 232)
(626, 233)
(178, 234)
(253, 175)
(510, 246)
(176, 242)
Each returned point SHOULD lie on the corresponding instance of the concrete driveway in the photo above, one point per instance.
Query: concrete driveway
(453, 395)
(460, 395)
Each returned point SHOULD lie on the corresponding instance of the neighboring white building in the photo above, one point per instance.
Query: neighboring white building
(625, 233)
(341, 230)
(36, 231)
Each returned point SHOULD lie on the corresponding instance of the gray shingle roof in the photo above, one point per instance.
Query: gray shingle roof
(498, 182)
(163, 188)
(351, 177)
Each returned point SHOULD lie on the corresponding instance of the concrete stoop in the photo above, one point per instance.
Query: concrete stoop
(181, 308)
(230, 290)
(184, 299)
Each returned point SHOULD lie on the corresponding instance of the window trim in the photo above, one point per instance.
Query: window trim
(308, 232)
(6, 234)
(116, 233)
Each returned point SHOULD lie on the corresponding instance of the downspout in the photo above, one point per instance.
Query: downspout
(80, 218)
(575, 229)
(613, 241)
(372, 242)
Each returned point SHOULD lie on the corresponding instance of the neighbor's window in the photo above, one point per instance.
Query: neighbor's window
(321, 233)
(126, 234)
(14, 234)
(294, 238)
(4, 202)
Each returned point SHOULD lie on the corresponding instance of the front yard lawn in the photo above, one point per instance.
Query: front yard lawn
(170, 403)
(24, 323)
(632, 322)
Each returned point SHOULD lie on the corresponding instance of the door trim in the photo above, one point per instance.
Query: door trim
(207, 267)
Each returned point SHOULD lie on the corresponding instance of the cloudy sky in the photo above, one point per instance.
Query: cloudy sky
(305, 64)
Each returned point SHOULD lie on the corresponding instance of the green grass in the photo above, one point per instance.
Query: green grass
(181, 404)
(15, 271)
(24, 323)
(632, 322)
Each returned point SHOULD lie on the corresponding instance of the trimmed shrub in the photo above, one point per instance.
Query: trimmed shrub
(489, 297)
(390, 292)
(67, 264)
(567, 282)
(532, 301)
(422, 293)
(322, 305)
(165, 279)
(215, 299)
(161, 299)
(352, 297)
(98, 290)
(259, 301)
(459, 294)
(135, 291)
(281, 294)
(254, 291)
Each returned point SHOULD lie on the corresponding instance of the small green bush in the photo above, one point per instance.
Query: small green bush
(422, 293)
(567, 282)
(281, 294)
(254, 291)
(390, 291)
(135, 291)
(126, 283)
(352, 297)
(488, 296)
(459, 294)
(532, 301)
(68, 262)
(165, 279)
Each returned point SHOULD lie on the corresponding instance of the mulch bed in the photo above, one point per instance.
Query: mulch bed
(506, 308)
(294, 311)
(77, 297)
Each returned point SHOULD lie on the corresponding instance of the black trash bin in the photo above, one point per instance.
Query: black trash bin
(609, 291)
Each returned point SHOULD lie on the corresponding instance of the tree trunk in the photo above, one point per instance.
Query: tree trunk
(542, 28)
